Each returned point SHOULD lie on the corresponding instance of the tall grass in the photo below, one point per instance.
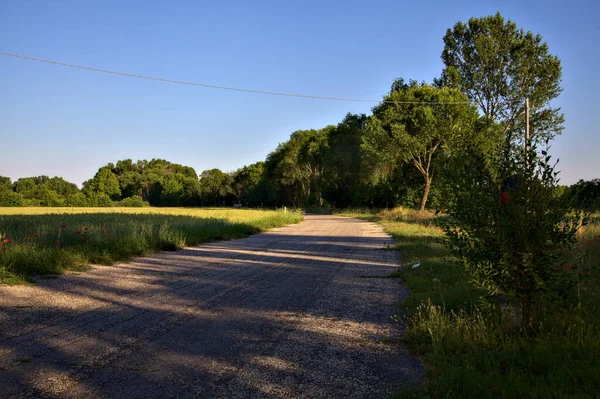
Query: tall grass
(473, 349)
(41, 241)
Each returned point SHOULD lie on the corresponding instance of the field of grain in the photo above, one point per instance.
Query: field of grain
(49, 241)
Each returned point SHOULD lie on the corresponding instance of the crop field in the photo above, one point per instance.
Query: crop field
(50, 241)
(471, 351)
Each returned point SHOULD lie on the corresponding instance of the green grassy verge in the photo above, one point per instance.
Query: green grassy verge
(474, 351)
(52, 243)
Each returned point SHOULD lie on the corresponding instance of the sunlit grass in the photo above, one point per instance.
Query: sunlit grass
(474, 351)
(40, 241)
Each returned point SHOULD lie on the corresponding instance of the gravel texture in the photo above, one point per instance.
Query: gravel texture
(283, 314)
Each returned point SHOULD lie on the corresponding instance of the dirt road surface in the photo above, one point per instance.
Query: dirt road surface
(283, 314)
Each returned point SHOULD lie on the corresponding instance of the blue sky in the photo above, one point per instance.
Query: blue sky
(66, 122)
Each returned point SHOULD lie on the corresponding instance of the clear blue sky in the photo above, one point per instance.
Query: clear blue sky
(66, 122)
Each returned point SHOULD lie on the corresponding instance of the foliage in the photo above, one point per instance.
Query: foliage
(511, 240)
(343, 163)
(10, 198)
(407, 128)
(246, 180)
(215, 185)
(133, 202)
(472, 350)
(584, 195)
(499, 65)
(104, 182)
(298, 166)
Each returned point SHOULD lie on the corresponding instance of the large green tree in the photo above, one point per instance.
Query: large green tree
(416, 124)
(104, 182)
(245, 179)
(343, 162)
(298, 166)
(215, 184)
(499, 65)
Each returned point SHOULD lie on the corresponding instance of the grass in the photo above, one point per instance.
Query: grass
(50, 241)
(473, 351)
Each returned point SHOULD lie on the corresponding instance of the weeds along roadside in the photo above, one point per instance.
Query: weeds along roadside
(48, 244)
(470, 347)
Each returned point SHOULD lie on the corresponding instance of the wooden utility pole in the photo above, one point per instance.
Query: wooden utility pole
(527, 130)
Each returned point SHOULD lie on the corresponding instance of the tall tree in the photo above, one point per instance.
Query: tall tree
(499, 65)
(415, 124)
(245, 179)
(343, 162)
(104, 182)
(298, 165)
(5, 183)
(215, 184)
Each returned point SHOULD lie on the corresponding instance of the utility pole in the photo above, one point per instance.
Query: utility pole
(527, 130)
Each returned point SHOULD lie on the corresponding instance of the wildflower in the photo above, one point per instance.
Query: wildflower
(64, 226)
(78, 232)
(56, 241)
(57, 231)
(25, 239)
(105, 226)
(86, 229)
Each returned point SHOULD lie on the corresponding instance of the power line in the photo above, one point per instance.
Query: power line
(272, 93)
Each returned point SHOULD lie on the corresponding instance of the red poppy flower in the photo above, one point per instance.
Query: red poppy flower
(56, 241)
(25, 239)
(86, 229)
(64, 226)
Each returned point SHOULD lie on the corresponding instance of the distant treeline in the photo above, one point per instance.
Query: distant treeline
(288, 177)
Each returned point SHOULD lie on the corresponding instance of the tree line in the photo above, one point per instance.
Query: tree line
(418, 143)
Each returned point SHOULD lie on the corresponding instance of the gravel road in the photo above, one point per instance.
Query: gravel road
(283, 314)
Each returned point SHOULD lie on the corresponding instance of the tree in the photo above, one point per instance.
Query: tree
(215, 184)
(5, 183)
(313, 150)
(415, 124)
(585, 194)
(7, 196)
(343, 161)
(297, 166)
(509, 229)
(245, 179)
(104, 182)
(499, 65)
(24, 185)
(61, 186)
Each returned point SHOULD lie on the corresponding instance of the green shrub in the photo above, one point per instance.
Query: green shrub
(10, 198)
(76, 200)
(99, 199)
(510, 231)
(134, 202)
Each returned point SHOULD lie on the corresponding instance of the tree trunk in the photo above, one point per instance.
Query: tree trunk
(425, 192)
